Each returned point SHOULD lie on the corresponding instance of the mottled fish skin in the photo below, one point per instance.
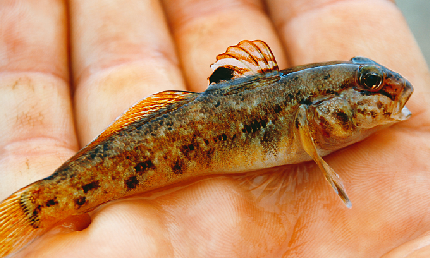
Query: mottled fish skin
(237, 126)
(234, 126)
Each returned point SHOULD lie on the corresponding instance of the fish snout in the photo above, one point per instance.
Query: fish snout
(406, 89)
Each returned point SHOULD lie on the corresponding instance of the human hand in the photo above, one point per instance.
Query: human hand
(120, 53)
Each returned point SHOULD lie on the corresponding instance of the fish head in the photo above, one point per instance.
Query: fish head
(374, 99)
(385, 88)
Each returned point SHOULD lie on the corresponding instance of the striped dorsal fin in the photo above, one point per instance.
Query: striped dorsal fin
(244, 59)
(153, 105)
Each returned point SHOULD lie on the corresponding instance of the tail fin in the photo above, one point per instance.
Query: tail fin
(15, 228)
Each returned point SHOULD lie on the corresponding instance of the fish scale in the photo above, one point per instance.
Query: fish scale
(252, 116)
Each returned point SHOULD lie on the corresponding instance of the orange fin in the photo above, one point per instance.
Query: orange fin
(246, 58)
(143, 109)
(310, 148)
(15, 228)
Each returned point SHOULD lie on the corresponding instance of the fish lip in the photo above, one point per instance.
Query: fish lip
(401, 111)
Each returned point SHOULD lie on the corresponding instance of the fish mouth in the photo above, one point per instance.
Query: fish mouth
(401, 112)
(403, 115)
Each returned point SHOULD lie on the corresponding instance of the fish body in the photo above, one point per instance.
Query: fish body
(252, 116)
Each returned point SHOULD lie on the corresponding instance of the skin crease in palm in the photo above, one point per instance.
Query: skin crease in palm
(52, 99)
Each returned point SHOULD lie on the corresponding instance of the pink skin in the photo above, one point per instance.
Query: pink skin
(119, 53)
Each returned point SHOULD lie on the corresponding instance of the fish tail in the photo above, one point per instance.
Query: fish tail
(16, 229)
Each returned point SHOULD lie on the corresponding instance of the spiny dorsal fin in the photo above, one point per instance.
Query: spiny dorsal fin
(246, 58)
(142, 109)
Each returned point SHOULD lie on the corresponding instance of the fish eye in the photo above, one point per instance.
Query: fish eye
(370, 77)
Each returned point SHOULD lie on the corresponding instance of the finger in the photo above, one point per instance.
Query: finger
(316, 31)
(36, 132)
(204, 29)
(418, 247)
(121, 53)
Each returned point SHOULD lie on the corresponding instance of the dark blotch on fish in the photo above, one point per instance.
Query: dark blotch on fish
(131, 182)
(221, 137)
(177, 167)
(141, 167)
(277, 109)
(342, 117)
(51, 202)
(187, 148)
(35, 215)
(80, 201)
(91, 186)
(254, 126)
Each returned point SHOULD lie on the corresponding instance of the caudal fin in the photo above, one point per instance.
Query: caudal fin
(15, 228)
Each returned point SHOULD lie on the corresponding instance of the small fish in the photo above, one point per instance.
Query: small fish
(252, 116)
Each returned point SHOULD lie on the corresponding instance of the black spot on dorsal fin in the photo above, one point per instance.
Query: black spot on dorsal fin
(221, 74)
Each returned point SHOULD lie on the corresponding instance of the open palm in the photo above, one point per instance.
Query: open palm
(68, 70)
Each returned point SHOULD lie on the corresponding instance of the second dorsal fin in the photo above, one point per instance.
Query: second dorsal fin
(141, 110)
(246, 58)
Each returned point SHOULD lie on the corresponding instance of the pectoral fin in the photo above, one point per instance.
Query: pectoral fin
(309, 147)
